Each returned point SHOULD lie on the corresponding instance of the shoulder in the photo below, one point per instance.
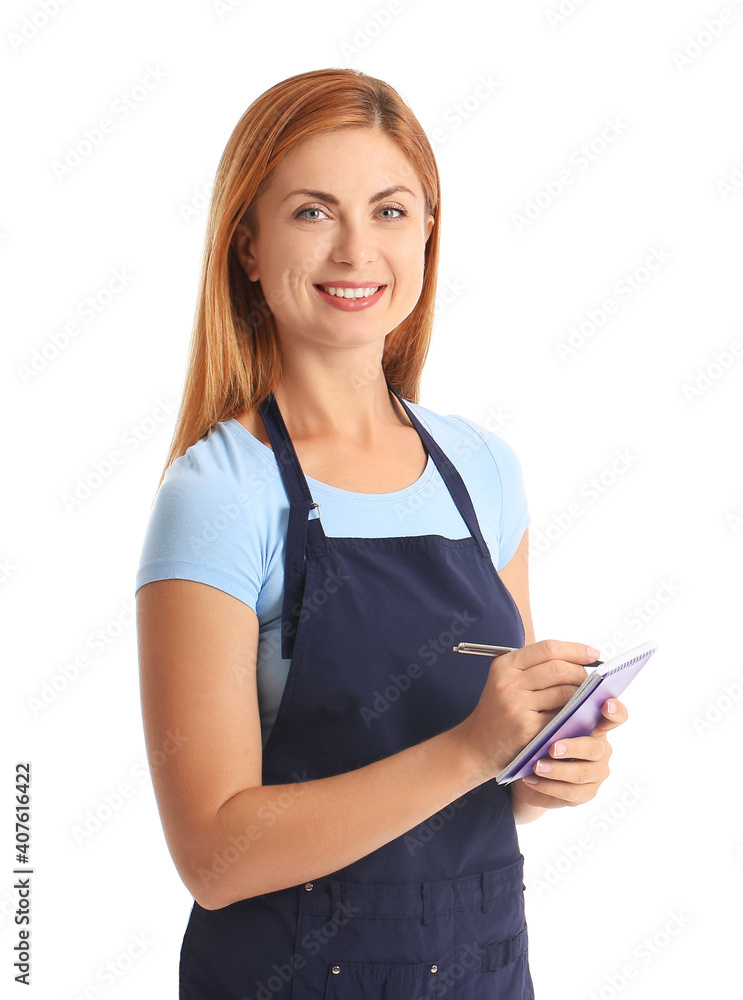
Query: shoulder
(492, 474)
(228, 462)
(216, 515)
(471, 446)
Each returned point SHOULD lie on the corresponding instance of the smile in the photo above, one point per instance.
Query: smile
(350, 293)
(351, 299)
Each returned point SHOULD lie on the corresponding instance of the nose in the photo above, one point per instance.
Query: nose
(353, 244)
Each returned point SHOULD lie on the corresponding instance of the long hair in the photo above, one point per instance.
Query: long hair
(234, 360)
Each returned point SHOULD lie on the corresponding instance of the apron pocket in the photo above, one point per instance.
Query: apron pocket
(376, 981)
(507, 962)
(503, 952)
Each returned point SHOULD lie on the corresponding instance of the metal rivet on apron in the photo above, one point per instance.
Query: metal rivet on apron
(308, 886)
(336, 969)
(434, 968)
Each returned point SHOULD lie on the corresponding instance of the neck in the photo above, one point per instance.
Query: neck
(347, 398)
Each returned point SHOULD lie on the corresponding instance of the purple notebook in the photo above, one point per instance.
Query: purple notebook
(580, 716)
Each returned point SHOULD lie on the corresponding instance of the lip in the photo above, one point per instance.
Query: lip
(350, 284)
(350, 305)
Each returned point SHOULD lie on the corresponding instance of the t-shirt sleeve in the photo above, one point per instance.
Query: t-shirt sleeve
(513, 518)
(199, 529)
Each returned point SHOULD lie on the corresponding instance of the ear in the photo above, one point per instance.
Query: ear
(241, 243)
(429, 227)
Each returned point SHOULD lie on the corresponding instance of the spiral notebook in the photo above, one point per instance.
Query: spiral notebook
(582, 713)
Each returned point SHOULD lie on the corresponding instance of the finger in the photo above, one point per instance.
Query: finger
(552, 649)
(533, 797)
(551, 699)
(611, 719)
(552, 674)
(567, 791)
(579, 748)
(573, 772)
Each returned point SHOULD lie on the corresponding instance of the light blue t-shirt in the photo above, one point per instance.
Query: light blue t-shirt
(220, 518)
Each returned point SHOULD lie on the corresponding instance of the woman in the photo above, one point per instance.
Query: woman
(318, 543)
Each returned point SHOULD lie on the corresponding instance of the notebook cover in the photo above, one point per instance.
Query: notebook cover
(615, 675)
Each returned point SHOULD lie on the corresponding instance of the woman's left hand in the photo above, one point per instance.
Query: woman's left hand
(568, 782)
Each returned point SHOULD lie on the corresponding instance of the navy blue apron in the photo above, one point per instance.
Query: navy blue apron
(369, 624)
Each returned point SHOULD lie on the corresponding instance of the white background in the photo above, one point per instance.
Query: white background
(629, 894)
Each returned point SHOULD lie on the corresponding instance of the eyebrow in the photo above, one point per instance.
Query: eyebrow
(324, 196)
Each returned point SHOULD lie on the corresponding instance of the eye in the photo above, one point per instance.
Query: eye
(303, 213)
(393, 208)
(312, 208)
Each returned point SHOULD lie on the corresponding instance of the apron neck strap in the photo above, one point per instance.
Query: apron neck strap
(306, 535)
(296, 484)
(450, 475)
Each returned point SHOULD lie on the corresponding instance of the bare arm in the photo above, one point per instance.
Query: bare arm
(230, 836)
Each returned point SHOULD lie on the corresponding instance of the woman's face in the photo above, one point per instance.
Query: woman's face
(346, 210)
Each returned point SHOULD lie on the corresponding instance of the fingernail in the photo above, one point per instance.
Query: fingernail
(543, 766)
(530, 779)
(612, 706)
(559, 749)
(592, 651)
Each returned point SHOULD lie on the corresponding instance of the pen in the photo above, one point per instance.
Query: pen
(481, 649)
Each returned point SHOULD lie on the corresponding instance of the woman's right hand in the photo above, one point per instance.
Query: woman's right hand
(524, 690)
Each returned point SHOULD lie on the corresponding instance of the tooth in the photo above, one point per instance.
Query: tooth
(350, 293)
